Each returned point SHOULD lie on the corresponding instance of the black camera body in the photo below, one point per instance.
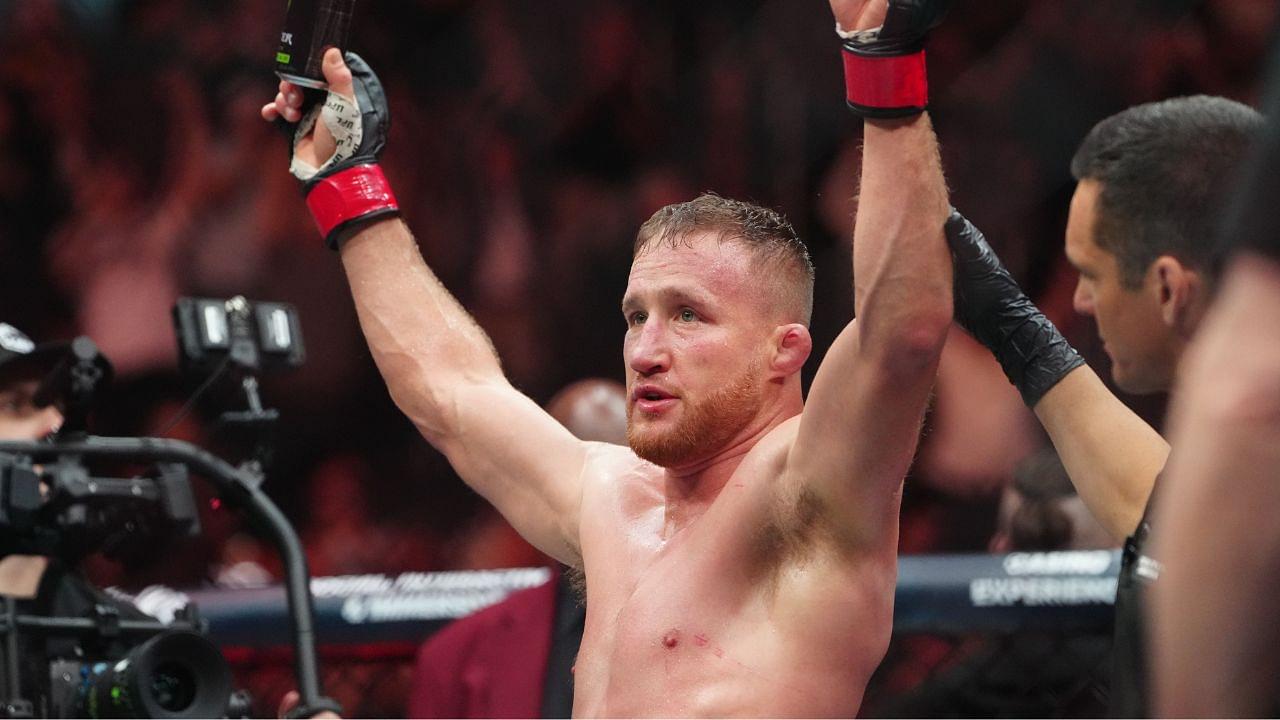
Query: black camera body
(60, 510)
(73, 650)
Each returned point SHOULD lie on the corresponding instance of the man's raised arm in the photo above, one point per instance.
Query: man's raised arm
(1111, 454)
(439, 365)
(862, 418)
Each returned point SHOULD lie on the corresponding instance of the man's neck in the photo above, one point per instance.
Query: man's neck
(690, 490)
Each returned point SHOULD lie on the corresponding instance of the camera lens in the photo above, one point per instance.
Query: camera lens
(173, 687)
(175, 674)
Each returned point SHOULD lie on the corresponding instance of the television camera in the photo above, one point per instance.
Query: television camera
(81, 653)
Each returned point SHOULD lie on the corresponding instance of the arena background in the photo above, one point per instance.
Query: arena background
(529, 141)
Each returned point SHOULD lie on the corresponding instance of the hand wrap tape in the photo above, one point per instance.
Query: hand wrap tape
(360, 192)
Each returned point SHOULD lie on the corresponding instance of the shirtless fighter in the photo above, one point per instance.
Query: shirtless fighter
(740, 555)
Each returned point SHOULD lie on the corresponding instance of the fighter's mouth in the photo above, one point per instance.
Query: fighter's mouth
(650, 393)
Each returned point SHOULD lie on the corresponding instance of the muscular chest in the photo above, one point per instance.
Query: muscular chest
(715, 619)
(668, 618)
(653, 587)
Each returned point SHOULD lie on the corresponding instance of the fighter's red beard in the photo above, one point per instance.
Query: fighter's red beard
(703, 428)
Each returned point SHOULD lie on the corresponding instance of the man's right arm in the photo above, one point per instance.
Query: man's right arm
(439, 366)
(443, 373)
(1111, 454)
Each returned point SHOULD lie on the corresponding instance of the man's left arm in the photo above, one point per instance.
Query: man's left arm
(861, 422)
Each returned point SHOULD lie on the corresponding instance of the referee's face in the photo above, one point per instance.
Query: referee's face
(1143, 348)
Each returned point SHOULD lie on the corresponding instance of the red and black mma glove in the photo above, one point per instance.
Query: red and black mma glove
(349, 189)
(994, 310)
(884, 68)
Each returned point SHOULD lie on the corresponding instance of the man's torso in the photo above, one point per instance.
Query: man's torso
(752, 608)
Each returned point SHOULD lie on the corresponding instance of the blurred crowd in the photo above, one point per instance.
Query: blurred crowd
(528, 143)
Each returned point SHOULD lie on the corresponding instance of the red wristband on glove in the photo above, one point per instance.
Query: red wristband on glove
(357, 192)
(893, 86)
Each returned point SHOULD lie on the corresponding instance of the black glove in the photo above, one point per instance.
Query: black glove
(349, 189)
(884, 68)
(991, 306)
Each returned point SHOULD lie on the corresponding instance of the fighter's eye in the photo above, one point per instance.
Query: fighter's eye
(688, 315)
(637, 318)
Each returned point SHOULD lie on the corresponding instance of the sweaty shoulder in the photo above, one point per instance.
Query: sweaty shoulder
(608, 462)
(614, 473)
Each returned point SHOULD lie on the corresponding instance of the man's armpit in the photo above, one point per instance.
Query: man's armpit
(800, 526)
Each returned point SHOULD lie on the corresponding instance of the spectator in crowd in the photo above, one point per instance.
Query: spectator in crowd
(1041, 511)
(1038, 673)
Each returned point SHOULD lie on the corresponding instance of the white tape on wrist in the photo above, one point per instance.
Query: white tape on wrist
(341, 115)
(867, 34)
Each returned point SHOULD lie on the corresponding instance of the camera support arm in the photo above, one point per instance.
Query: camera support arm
(241, 487)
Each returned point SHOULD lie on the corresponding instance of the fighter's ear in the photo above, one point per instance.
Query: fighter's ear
(792, 344)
